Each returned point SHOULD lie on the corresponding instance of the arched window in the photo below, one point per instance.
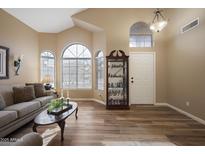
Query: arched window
(48, 67)
(99, 66)
(140, 35)
(76, 67)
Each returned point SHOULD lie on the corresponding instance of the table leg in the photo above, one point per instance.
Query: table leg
(76, 113)
(61, 124)
(34, 127)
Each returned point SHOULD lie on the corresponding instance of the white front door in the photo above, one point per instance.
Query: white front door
(142, 77)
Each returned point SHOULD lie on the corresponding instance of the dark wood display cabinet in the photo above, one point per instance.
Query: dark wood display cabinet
(117, 80)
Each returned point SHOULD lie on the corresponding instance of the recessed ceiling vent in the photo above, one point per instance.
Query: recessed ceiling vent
(189, 26)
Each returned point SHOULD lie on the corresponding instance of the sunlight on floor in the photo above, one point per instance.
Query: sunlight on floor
(49, 134)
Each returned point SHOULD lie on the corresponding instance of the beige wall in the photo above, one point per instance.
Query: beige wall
(47, 41)
(116, 24)
(65, 38)
(20, 39)
(186, 62)
(180, 64)
(57, 43)
(179, 57)
(115, 36)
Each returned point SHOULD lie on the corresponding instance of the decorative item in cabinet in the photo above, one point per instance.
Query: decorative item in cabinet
(117, 80)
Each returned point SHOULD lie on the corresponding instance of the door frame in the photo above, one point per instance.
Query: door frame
(154, 69)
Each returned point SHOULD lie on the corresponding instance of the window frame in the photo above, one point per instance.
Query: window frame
(61, 67)
(54, 56)
(144, 34)
(96, 70)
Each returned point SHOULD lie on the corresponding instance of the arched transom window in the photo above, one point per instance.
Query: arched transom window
(99, 65)
(76, 67)
(48, 67)
(140, 35)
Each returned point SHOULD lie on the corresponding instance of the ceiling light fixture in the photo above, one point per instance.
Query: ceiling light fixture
(159, 22)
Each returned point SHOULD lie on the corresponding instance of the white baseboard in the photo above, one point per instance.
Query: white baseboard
(187, 114)
(88, 99)
(160, 104)
(81, 99)
(183, 112)
(98, 101)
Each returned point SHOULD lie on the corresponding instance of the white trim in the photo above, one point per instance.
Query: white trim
(154, 69)
(77, 89)
(61, 64)
(88, 99)
(95, 69)
(98, 101)
(187, 114)
(160, 104)
(81, 99)
(55, 65)
(182, 112)
(73, 43)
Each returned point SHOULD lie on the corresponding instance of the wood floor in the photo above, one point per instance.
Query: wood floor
(141, 125)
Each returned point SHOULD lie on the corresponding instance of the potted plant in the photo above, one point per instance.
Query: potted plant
(55, 104)
(58, 106)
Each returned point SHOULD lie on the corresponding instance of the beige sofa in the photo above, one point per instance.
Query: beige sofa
(13, 115)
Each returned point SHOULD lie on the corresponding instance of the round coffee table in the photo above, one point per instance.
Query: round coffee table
(47, 119)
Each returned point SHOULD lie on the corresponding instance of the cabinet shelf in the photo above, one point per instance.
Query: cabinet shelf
(117, 80)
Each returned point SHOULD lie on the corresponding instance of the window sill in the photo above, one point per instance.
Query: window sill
(99, 89)
(77, 88)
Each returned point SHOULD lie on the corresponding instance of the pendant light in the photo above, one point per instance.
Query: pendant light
(159, 22)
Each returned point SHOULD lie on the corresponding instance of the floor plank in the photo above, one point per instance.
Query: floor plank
(141, 125)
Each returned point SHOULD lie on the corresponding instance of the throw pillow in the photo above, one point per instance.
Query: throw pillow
(2, 103)
(39, 89)
(18, 94)
(23, 94)
(29, 93)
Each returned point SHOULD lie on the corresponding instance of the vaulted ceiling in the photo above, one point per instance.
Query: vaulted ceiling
(47, 20)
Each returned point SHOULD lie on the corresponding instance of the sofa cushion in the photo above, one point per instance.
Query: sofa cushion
(23, 94)
(44, 100)
(7, 117)
(24, 108)
(2, 103)
(39, 89)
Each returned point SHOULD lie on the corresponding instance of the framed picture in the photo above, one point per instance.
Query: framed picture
(4, 62)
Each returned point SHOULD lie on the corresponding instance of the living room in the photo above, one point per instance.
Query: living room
(55, 56)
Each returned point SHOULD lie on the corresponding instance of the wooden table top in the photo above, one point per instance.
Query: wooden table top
(46, 119)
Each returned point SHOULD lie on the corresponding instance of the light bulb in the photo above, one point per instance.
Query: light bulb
(158, 26)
